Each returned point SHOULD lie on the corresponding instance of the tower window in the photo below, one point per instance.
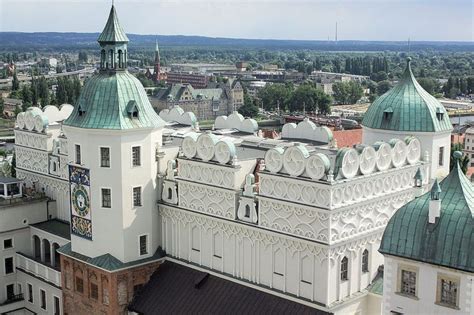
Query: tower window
(365, 261)
(9, 265)
(94, 291)
(247, 211)
(7, 243)
(106, 198)
(79, 285)
(57, 306)
(137, 196)
(143, 240)
(136, 159)
(408, 282)
(441, 156)
(132, 109)
(30, 293)
(448, 288)
(344, 269)
(439, 114)
(104, 157)
(78, 153)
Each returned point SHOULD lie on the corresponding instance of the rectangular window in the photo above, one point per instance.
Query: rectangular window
(441, 156)
(137, 196)
(10, 292)
(43, 299)
(136, 156)
(79, 285)
(9, 265)
(78, 153)
(57, 306)
(143, 245)
(106, 198)
(8, 243)
(448, 291)
(30, 293)
(104, 157)
(94, 291)
(408, 282)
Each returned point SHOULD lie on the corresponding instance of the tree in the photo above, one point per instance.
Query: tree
(274, 95)
(43, 91)
(429, 84)
(2, 107)
(82, 56)
(15, 83)
(383, 86)
(249, 109)
(309, 98)
(13, 168)
(25, 94)
(347, 92)
(463, 161)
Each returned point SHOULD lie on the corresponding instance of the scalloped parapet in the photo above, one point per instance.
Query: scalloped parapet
(236, 121)
(307, 130)
(36, 120)
(178, 115)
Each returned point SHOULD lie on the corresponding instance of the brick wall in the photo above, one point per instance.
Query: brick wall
(102, 292)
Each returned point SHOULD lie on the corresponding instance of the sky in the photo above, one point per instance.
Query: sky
(425, 20)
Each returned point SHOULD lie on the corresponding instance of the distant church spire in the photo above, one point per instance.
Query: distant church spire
(156, 72)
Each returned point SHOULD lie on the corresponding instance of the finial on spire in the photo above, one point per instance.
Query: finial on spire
(408, 59)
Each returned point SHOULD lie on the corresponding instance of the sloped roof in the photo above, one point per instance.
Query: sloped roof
(448, 242)
(411, 107)
(107, 261)
(104, 100)
(113, 32)
(177, 90)
(176, 289)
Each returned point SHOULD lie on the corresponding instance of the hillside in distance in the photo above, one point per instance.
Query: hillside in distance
(65, 41)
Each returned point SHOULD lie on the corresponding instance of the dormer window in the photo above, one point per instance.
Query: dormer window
(132, 109)
(439, 114)
(80, 111)
(387, 114)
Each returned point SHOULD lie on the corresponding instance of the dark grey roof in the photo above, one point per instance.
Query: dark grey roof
(9, 180)
(56, 227)
(177, 289)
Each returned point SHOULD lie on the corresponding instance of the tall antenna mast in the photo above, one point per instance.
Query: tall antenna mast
(336, 32)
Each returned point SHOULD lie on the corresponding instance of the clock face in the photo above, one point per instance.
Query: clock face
(80, 200)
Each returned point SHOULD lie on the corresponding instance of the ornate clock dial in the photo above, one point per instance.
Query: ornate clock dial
(80, 200)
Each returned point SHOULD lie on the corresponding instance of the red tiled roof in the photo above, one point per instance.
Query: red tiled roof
(347, 138)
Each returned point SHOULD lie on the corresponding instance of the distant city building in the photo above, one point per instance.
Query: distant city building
(331, 77)
(204, 103)
(469, 145)
(11, 106)
(198, 81)
(241, 66)
(202, 68)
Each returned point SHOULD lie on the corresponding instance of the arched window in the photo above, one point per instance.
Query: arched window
(247, 211)
(365, 261)
(170, 193)
(111, 58)
(344, 268)
(102, 58)
(120, 59)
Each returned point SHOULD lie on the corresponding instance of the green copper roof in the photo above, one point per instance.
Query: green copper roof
(407, 107)
(107, 261)
(106, 101)
(449, 241)
(113, 32)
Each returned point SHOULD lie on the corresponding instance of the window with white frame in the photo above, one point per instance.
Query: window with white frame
(365, 261)
(106, 198)
(137, 196)
(143, 240)
(7, 243)
(57, 305)
(136, 156)
(344, 269)
(447, 291)
(30, 292)
(408, 282)
(78, 153)
(43, 299)
(8, 264)
(104, 157)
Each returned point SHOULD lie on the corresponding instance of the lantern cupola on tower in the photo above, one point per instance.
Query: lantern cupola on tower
(113, 43)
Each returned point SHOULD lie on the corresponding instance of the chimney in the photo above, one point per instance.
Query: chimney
(435, 203)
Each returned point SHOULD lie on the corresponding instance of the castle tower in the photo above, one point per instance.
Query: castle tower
(408, 110)
(113, 134)
(156, 72)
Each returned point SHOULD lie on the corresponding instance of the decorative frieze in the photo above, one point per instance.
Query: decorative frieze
(31, 159)
(211, 200)
(209, 174)
(31, 140)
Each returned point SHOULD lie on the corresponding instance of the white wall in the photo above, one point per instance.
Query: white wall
(430, 142)
(427, 277)
(116, 230)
